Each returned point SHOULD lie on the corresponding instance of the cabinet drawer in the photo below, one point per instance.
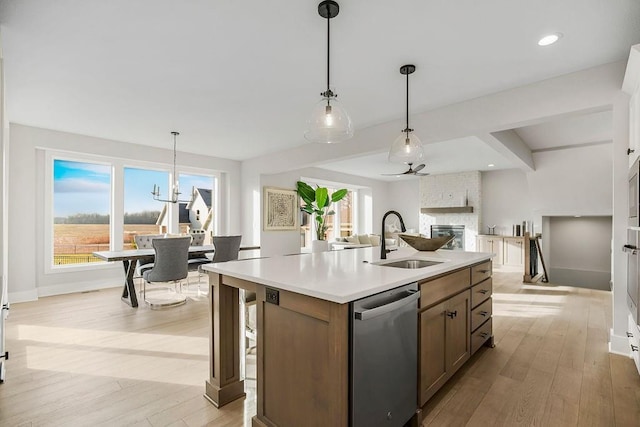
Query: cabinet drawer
(439, 289)
(480, 272)
(481, 292)
(480, 336)
(481, 314)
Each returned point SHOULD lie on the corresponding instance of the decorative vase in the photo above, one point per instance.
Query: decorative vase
(319, 246)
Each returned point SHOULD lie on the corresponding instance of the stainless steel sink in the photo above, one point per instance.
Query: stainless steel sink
(410, 263)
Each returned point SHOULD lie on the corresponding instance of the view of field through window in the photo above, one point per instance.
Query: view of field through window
(81, 202)
(81, 206)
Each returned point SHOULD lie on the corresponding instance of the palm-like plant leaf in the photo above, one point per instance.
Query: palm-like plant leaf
(317, 203)
(338, 195)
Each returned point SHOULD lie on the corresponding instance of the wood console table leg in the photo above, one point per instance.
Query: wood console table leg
(224, 383)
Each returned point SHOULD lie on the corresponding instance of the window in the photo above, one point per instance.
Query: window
(141, 212)
(92, 204)
(343, 220)
(200, 190)
(341, 224)
(81, 206)
(345, 224)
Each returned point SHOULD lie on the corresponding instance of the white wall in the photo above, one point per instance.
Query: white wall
(287, 242)
(575, 181)
(27, 277)
(403, 198)
(580, 243)
(505, 200)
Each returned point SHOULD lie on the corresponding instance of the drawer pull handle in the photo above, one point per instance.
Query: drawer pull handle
(483, 313)
(634, 347)
(484, 271)
(483, 291)
(629, 335)
(484, 335)
(452, 314)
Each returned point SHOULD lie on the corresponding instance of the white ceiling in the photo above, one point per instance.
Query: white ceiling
(582, 129)
(238, 79)
(456, 155)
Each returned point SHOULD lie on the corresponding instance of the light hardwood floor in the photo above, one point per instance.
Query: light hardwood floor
(88, 359)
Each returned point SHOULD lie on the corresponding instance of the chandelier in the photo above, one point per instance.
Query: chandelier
(175, 188)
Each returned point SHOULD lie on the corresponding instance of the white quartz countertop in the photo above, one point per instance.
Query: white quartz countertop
(343, 276)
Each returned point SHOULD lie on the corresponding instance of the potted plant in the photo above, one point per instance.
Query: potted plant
(318, 203)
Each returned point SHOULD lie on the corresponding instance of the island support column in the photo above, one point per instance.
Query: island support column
(224, 383)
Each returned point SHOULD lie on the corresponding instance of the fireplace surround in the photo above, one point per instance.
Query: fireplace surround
(457, 244)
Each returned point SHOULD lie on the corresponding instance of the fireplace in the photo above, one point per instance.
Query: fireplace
(457, 231)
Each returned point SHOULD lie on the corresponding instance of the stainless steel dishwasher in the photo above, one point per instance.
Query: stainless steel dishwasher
(384, 358)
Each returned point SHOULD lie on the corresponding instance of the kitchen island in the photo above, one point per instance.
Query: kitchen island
(303, 326)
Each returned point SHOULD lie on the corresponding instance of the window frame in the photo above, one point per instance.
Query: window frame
(336, 217)
(50, 157)
(116, 203)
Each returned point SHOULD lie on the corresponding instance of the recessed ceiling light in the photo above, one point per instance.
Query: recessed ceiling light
(549, 39)
(490, 165)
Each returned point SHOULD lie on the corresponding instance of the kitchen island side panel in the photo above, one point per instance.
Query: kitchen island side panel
(303, 367)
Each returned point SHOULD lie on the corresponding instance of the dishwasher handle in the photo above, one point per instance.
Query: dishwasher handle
(370, 313)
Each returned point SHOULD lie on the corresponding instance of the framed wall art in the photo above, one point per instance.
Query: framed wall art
(281, 210)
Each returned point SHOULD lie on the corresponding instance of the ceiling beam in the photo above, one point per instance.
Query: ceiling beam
(512, 147)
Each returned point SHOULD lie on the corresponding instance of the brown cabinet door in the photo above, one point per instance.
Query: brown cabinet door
(458, 331)
(444, 342)
(433, 363)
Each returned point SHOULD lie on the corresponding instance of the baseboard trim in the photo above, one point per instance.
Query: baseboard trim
(619, 344)
(23, 296)
(70, 288)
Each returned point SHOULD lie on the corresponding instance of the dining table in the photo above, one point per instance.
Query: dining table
(130, 259)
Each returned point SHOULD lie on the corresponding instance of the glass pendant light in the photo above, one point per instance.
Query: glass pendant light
(407, 148)
(329, 121)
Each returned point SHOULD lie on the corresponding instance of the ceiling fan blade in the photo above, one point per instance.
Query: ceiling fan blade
(419, 167)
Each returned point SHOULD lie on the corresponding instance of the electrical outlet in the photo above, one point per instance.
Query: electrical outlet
(272, 296)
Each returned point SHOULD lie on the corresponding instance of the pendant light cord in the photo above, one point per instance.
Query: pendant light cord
(328, 47)
(407, 128)
(175, 135)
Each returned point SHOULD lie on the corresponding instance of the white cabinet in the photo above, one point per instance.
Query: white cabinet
(509, 250)
(491, 244)
(631, 86)
(513, 251)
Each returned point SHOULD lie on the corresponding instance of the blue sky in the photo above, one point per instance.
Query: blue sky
(85, 188)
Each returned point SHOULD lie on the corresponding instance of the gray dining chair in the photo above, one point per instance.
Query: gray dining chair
(197, 259)
(170, 265)
(226, 248)
(145, 241)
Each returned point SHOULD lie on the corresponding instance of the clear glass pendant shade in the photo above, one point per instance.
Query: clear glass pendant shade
(329, 123)
(406, 149)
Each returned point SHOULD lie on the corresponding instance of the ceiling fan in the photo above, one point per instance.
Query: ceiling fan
(411, 171)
